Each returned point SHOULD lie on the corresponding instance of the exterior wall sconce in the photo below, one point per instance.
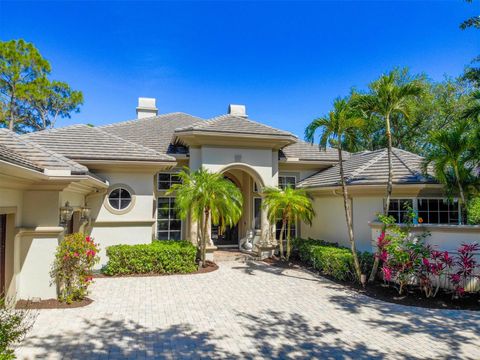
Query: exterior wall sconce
(66, 213)
(85, 211)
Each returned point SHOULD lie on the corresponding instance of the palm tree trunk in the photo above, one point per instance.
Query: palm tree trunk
(389, 193)
(204, 237)
(11, 122)
(280, 241)
(288, 240)
(460, 188)
(348, 216)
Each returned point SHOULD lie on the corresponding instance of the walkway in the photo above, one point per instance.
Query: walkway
(246, 310)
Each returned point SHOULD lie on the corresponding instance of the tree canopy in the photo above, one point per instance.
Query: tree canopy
(29, 100)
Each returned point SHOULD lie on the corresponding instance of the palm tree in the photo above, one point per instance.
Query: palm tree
(290, 205)
(451, 159)
(208, 198)
(340, 128)
(388, 96)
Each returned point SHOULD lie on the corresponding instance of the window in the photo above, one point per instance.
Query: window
(284, 181)
(398, 209)
(438, 211)
(119, 198)
(429, 210)
(257, 213)
(278, 230)
(166, 180)
(169, 224)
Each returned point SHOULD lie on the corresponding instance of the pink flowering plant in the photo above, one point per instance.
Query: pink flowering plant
(431, 269)
(465, 263)
(72, 270)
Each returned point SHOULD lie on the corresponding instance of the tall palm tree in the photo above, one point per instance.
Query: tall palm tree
(388, 96)
(290, 205)
(208, 198)
(340, 128)
(451, 159)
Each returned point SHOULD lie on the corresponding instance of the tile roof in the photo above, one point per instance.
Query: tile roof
(83, 142)
(24, 152)
(371, 168)
(235, 125)
(307, 151)
(153, 132)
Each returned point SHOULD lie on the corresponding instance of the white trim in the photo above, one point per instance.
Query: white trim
(415, 206)
(130, 206)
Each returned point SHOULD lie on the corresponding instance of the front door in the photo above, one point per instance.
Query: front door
(3, 243)
(227, 237)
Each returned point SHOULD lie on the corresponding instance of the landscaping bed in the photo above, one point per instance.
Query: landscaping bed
(388, 293)
(51, 304)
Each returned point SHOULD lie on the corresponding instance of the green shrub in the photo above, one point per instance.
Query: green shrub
(331, 259)
(14, 324)
(158, 257)
(473, 211)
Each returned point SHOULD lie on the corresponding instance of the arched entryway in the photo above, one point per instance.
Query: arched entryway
(253, 224)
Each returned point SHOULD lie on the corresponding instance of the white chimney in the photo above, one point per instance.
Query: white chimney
(237, 110)
(146, 108)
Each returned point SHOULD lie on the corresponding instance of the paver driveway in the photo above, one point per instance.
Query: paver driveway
(246, 310)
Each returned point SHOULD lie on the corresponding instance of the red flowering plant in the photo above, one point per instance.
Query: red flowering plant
(465, 264)
(433, 268)
(72, 270)
(401, 253)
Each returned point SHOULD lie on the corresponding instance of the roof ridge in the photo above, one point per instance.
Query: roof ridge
(406, 161)
(149, 118)
(52, 130)
(365, 166)
(131, 142)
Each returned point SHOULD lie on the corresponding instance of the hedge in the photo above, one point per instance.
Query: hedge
(331, 259)
(159, 257)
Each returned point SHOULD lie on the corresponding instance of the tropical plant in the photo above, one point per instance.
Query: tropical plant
(339, 128)
(450, 158)
(466, 264)
(290, 205)
(473, 211)
(388, 97)
(72, 270)
(208, 198)
(14, 324)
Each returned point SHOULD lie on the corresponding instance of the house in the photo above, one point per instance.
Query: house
(111, 181)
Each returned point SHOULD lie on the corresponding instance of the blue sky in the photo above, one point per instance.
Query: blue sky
(285, 61)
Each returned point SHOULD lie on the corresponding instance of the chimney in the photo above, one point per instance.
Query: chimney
(237, 110)
(146, 108)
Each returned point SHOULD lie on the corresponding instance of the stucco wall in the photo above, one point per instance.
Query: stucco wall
(365, 210)
(329, 223)
(133, 227)
(262, 161)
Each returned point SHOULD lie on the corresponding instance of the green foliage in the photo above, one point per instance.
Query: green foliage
(331, 259)
(159, 257)
(72, 270)
(14, 324)
(474, 211)
(206, 196)
(290, 205)
(28, 99)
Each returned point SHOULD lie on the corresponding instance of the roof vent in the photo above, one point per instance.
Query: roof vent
(146, 108)
(237, 110)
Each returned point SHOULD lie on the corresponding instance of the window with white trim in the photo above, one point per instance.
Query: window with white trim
(257, 212)
(286, 180)
(119, 198)
(428, 210)
(167, 179)
(169, 224)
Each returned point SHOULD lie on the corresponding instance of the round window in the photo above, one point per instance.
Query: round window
(119, 198)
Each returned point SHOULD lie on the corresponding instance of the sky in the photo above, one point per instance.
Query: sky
(286, 61)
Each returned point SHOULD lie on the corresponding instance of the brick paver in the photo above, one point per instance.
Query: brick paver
(246, 310)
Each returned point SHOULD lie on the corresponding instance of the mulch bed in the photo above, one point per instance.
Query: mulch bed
(384, 292)
(211, 266)
(51, 304)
